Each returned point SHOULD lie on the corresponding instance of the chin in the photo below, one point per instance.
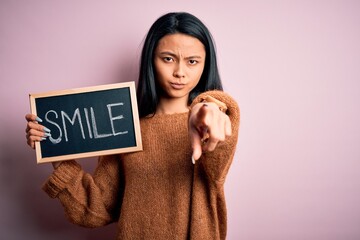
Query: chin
(177, 95)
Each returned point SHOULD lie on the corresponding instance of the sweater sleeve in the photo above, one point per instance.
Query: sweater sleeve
(217, 163)
(88, 200)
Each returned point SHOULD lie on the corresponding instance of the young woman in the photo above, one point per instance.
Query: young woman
(161, 192)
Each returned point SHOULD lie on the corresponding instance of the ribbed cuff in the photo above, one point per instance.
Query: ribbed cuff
(60, 177)
(232, 107)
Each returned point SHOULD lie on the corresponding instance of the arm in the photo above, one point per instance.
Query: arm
(88, 201)
(220, 129)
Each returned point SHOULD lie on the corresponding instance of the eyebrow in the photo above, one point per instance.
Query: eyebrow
(174, 55)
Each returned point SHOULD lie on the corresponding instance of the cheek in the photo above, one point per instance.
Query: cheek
(161, 72)
(199, 73)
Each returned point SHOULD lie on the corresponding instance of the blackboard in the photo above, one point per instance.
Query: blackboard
(87, 122)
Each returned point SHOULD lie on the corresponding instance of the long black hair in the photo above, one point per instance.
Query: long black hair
(170, 23)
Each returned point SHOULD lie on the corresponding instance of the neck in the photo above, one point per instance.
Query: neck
(172, 105)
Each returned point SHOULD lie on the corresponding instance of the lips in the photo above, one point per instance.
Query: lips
(177, 86)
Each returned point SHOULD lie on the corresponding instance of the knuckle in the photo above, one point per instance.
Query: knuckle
(31, 132)
(30, 125)
(35, 133)
(213, 140)
(222, 138)
(31, 138)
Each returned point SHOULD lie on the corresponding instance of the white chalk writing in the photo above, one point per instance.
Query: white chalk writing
(76, 120)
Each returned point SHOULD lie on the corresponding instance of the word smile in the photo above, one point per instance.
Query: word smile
(78, 120)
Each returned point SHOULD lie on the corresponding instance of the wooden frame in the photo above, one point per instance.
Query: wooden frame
(39, 100)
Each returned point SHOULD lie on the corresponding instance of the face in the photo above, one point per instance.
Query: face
(179, 61)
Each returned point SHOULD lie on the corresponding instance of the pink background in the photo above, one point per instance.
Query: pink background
(293, 66)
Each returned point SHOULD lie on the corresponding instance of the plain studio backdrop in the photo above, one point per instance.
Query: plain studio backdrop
(293, 67)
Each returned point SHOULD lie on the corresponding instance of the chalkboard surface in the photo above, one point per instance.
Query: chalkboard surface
(88, 122)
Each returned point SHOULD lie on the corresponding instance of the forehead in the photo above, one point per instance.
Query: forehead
(180, 42)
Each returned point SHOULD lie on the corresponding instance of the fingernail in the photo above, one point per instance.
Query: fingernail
(42, 139)
(47, 134)
(38, 119)
(193, 160)
(47, 130)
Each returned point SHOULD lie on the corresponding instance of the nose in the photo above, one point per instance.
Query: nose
(179, 71)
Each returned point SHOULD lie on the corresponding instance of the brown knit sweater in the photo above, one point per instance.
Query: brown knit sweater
(156, 193)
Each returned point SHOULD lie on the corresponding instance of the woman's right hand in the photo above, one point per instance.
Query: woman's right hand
(35, 132)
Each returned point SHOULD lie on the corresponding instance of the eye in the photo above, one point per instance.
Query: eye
(193, 62)
(168, 59)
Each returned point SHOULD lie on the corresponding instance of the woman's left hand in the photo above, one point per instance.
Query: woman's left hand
(208, 126)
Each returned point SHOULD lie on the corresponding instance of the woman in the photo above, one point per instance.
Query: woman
(158, 193)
